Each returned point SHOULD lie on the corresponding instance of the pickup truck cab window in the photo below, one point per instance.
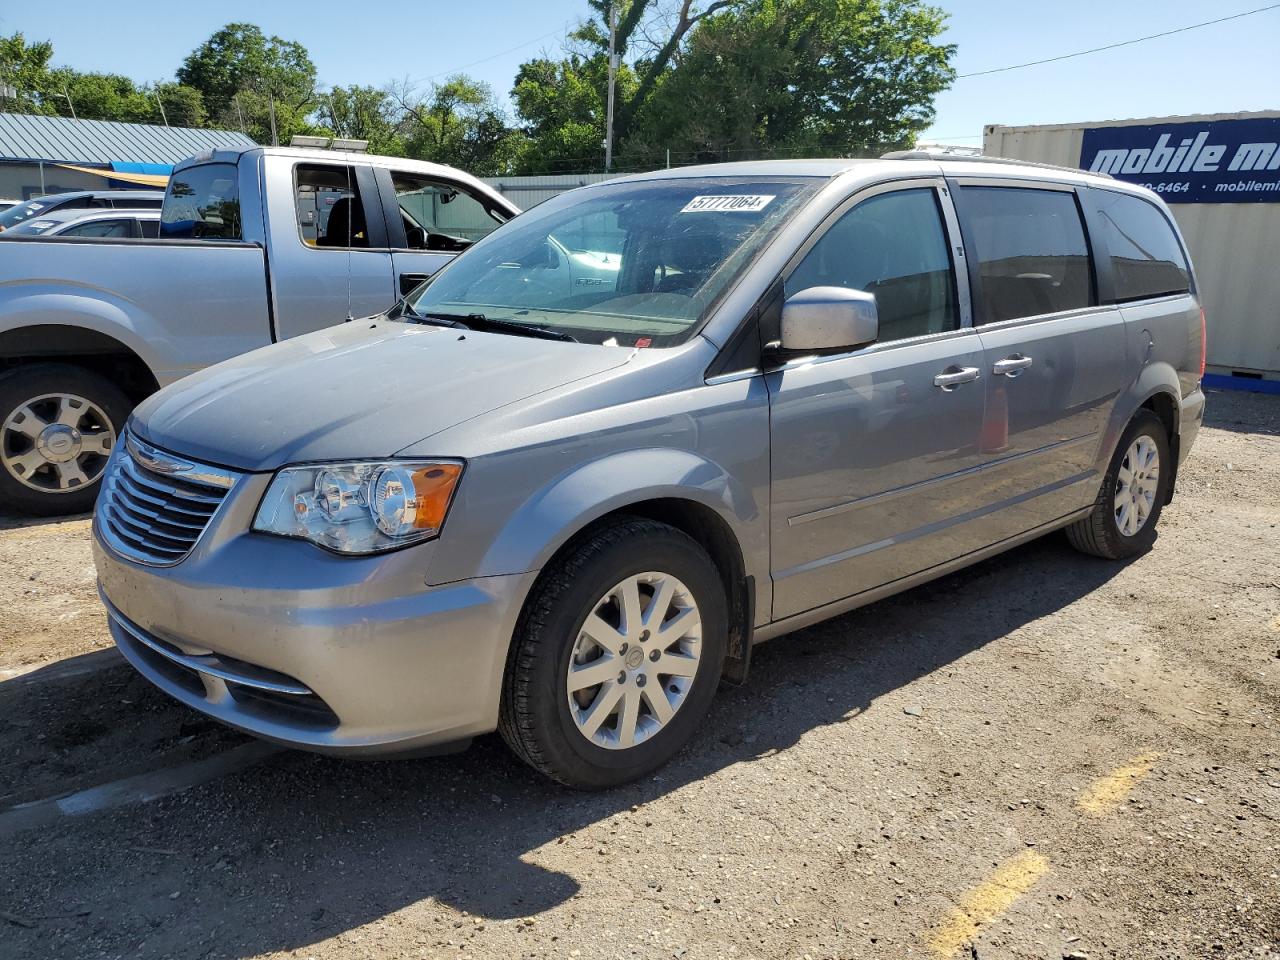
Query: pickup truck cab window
(331, 211)
(440, 216)
(1030, 250)
(202, 203)
(893, 246)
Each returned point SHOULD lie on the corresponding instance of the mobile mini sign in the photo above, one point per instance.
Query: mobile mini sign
(1219, 161)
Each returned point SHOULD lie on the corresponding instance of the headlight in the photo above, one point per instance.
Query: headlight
(360, 508)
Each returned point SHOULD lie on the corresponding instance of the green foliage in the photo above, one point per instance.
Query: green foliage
(244, 76)
(805, 76)
(563, 104)
(705, 79)
(738, 78)
(459, 123)
(362, 113)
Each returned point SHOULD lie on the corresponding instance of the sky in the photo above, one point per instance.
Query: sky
(1217, 69)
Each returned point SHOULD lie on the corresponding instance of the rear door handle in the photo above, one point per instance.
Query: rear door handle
(1011, 366)
(953, 376)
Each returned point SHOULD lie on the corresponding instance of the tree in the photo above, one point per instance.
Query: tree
(562, 106)
(829, 76)
(363, 113)
(245, 77)
(458, 122)
(24, 67)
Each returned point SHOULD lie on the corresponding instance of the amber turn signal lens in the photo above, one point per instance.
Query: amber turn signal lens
(433, 489)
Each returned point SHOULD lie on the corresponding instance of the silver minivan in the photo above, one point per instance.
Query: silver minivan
(562, 489)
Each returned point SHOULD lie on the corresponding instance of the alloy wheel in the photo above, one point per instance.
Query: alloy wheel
(1137, 484)
(56, 443)
(634, 661)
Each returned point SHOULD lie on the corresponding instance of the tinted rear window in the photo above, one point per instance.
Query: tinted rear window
(202, 203)
(1146, 258)
(1030, 249)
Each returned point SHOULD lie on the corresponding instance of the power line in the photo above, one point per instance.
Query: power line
(1123, 43)
(560, 31)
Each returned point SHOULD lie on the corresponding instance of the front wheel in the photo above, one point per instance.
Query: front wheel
(1124, 517)
(58, 423)
(617, 656)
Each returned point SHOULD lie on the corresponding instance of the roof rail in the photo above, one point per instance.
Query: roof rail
(933, 155)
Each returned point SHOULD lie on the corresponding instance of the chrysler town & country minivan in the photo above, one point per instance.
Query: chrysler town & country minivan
(563, 487)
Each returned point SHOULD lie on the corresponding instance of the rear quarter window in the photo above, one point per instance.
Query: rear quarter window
(1146, 258)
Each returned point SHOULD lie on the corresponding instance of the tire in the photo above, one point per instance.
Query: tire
(58, 423)
(1102, 533)
(537, 719)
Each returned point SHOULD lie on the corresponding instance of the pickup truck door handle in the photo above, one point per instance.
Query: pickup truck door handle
(410, 280)
(953, 376)
(1011, 366)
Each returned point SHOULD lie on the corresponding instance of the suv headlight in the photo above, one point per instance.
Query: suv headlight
(360, 508)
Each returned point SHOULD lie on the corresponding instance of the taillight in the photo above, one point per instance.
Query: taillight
(1204, 344)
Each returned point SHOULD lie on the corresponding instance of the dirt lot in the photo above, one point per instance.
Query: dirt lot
(1045, 756)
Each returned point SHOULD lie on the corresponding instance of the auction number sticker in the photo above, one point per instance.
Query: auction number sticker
(728, 203)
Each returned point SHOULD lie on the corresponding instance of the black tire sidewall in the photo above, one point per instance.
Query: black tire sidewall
(1147, 424)
(665, 550)
(20, 385)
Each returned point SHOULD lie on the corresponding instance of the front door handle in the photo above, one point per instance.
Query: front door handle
(953, 376)
(1011, 366)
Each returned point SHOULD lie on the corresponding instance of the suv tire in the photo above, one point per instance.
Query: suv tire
(58, 423)
(1134, 490)
(613, 728)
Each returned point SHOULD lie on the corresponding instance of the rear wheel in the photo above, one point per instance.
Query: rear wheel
(617, 656)
(58, 424)
(1124, 517)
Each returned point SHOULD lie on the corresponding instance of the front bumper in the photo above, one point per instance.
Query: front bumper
(335, 654)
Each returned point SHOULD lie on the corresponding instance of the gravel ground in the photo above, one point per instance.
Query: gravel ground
(951, 749)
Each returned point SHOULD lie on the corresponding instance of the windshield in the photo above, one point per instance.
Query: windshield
(24, 211)
(637, 264)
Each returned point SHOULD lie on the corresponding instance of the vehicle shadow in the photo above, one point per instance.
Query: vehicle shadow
(1241, 412)
(301, 848)
(10, 520)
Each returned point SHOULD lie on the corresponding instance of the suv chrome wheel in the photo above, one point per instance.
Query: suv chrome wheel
(56, 443)
(634, 661)
(1138, 481)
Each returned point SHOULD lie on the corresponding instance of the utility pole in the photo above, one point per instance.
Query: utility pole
(160, 104)
(613, 70)
(271, 106)
(66, 95)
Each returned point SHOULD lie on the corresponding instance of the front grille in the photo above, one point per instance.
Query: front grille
(154, 505)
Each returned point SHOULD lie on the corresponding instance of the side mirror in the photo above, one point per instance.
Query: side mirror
(823, 319)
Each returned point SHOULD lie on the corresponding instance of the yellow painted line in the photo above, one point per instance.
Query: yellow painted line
(987, 901)
(1109, 791)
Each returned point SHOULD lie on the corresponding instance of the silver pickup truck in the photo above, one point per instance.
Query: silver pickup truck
(255, 246)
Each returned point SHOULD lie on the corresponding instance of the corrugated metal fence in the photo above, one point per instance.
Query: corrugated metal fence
(526, 192)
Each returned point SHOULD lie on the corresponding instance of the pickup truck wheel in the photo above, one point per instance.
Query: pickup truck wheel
(617, 656)
(1124, 517)
(58, 424)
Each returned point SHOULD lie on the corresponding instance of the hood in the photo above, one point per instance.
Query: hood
(362, 389)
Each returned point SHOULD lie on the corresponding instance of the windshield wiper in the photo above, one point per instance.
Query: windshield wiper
(434, 319)
(478, 321)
